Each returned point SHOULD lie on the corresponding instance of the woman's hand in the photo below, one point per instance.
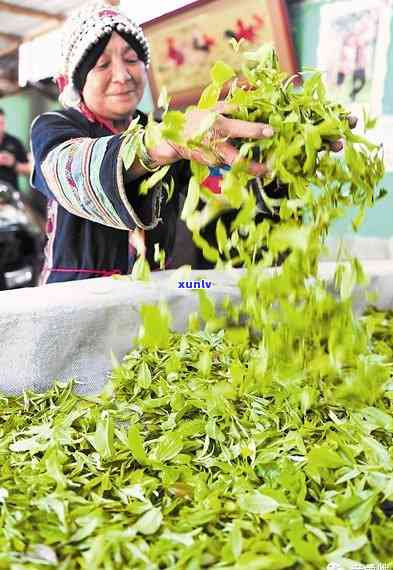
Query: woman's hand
(215, 147)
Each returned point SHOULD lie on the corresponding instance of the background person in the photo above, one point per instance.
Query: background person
(13, 157)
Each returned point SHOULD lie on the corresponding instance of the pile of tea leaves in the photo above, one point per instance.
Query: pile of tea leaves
(207, 451)
(260, 438)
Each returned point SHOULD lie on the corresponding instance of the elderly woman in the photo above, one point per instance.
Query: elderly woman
(96, 217)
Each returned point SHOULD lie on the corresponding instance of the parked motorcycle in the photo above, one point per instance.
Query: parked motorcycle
(21, 242)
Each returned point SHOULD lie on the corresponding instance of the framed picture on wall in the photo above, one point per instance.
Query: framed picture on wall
(186, 43)
(354, 40)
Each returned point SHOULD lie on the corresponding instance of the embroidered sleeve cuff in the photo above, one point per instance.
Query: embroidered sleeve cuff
(86, 177)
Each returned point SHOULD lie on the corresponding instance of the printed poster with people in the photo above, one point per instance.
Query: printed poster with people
(353, 43)
(354, 39)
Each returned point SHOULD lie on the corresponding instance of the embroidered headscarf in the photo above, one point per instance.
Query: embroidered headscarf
(85, 36)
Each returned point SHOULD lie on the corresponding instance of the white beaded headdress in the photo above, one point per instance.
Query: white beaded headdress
(81, 31)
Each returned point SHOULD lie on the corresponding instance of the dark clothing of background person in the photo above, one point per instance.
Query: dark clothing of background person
(12, 145)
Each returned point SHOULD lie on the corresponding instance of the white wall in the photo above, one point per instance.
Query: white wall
(149, 9)
(39, 57)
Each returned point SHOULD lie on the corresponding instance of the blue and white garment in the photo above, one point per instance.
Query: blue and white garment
(91, 208)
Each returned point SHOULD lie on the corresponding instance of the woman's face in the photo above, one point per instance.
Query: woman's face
(115, 85)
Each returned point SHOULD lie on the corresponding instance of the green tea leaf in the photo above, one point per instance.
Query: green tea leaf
(221, 72)
(149, 522)
(135, 444)
(257, 503)
(192, 199)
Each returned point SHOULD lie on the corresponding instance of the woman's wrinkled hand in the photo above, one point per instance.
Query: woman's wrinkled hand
(215, 148)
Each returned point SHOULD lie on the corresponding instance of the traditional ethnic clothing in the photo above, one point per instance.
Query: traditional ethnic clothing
(96, 216)
(79, 168)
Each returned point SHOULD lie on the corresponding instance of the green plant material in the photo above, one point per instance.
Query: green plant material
(153, 135)
(321, 184)
(156, 326)
(141, 270)
(163, 99)
(131, 143)
(220, 74)
(172, 126)
(159, 255)
(209, 452)
(262, 437)
(368, 121)
(153, 180)
(191, 202)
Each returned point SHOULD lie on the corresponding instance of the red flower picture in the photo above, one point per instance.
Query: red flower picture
(186, 43)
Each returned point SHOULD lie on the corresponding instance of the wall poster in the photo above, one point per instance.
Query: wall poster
(186, 43)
